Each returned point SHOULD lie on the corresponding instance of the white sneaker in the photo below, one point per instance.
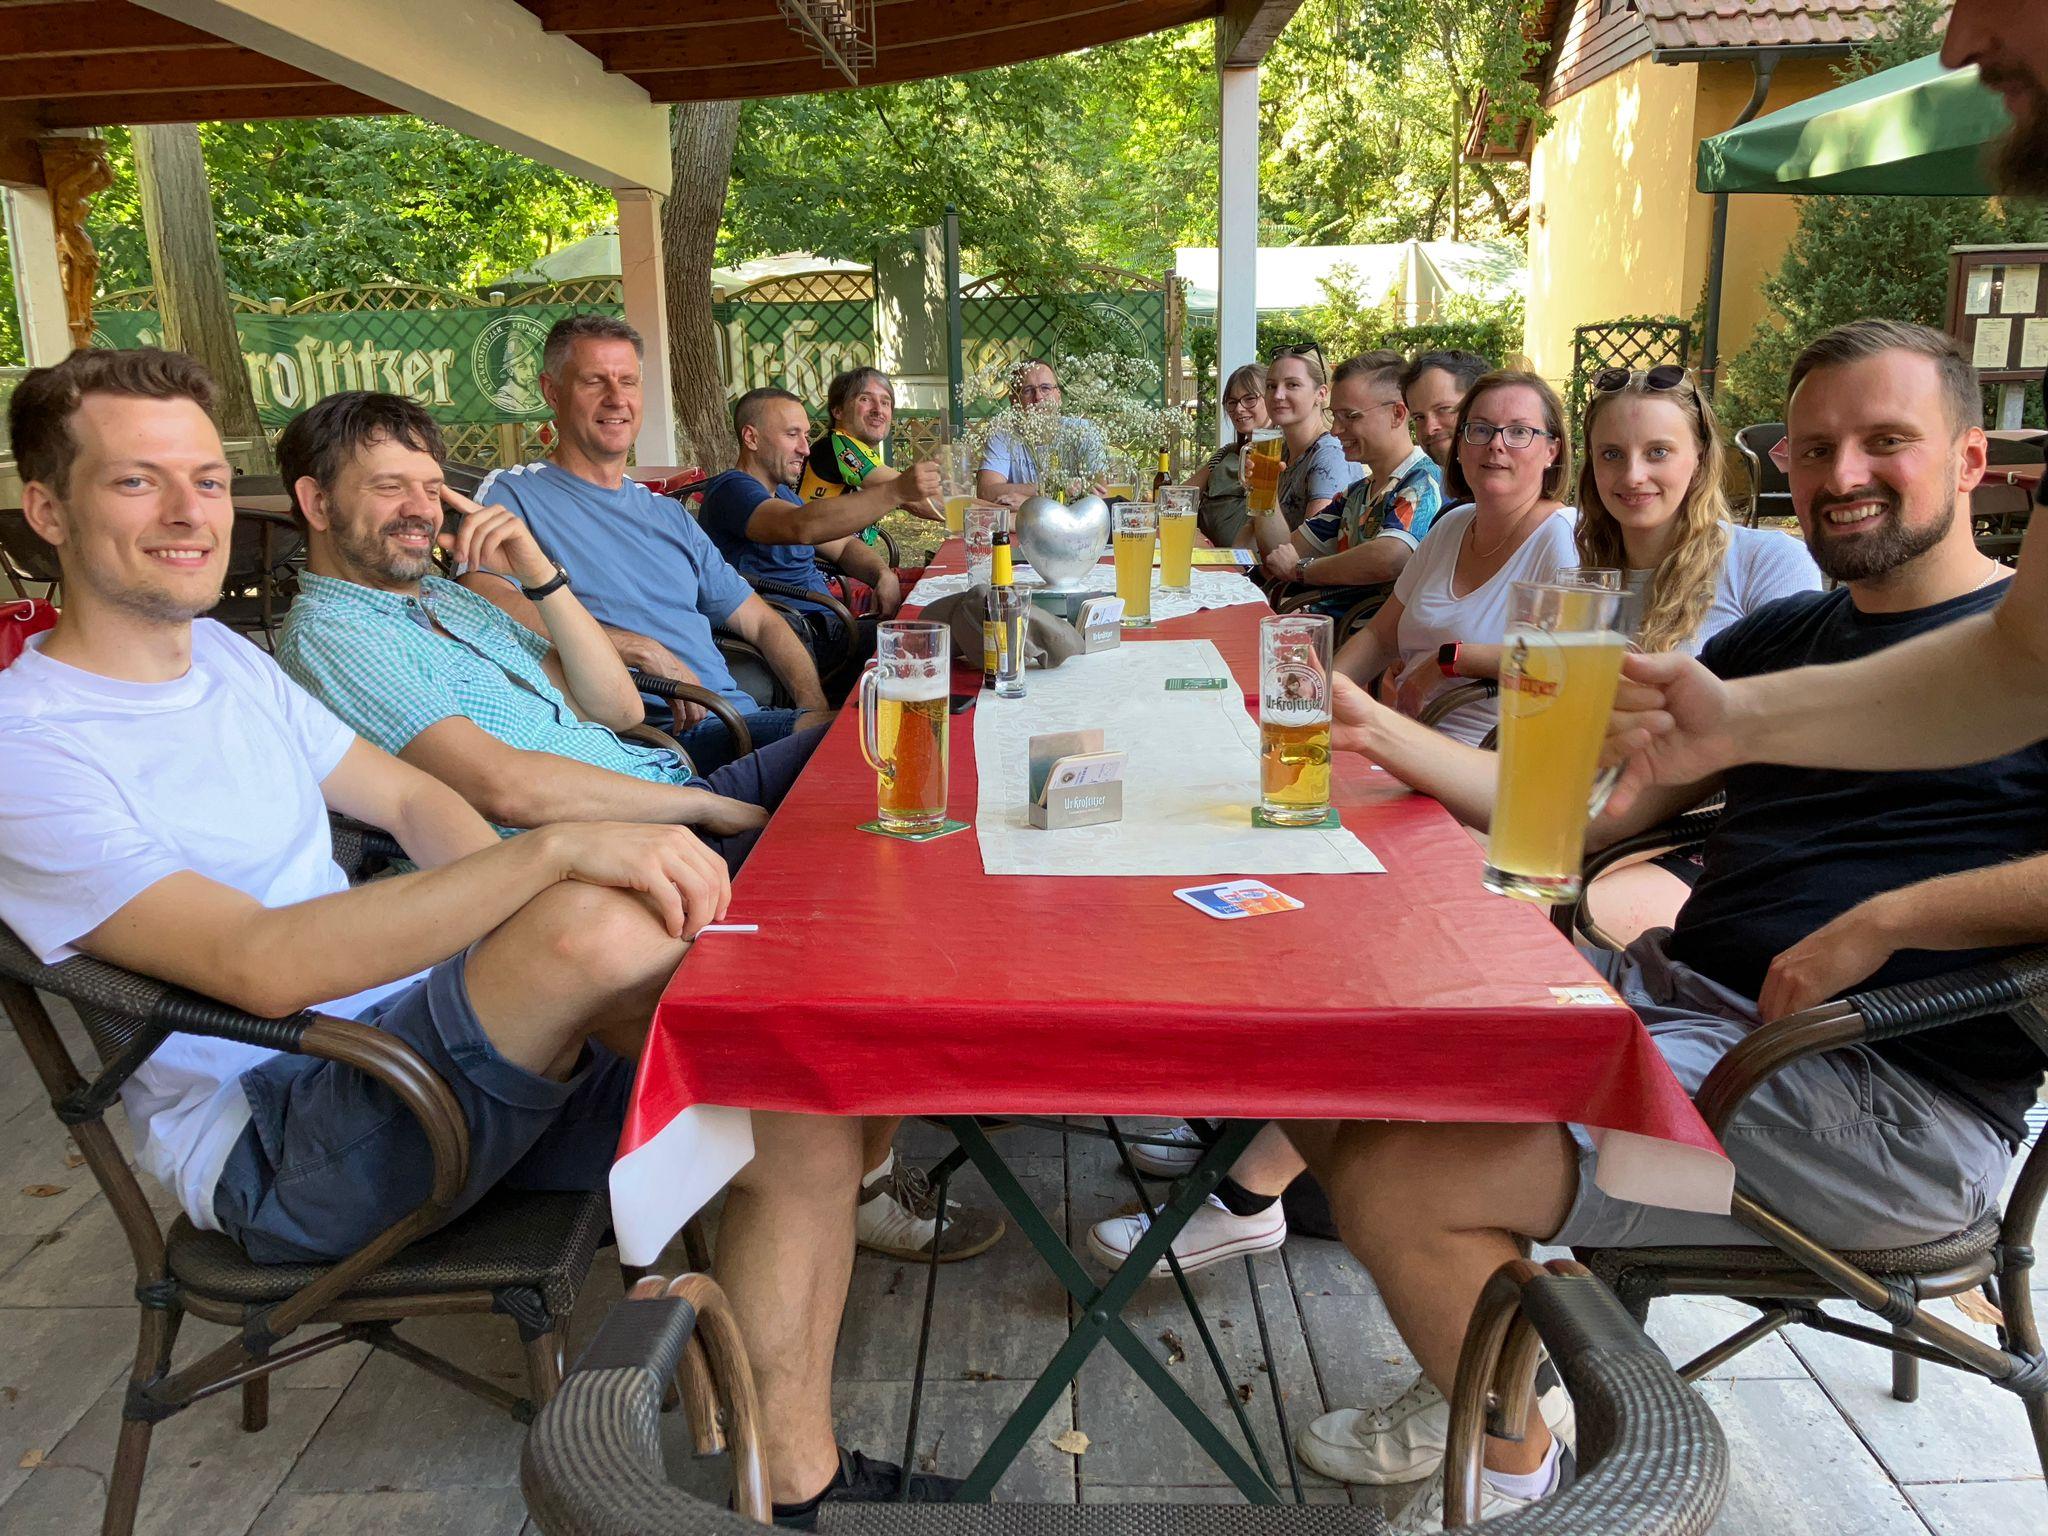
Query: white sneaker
(1212, 1235)
(1405, 1439)
(898, 1216)
(1423, 1515)
(1172, 1162)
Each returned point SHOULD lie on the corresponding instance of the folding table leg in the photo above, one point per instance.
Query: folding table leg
(1102, 1312)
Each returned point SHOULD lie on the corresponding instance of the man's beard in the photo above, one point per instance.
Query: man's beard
(370, 554)
(2022, 160)
(1867, 556)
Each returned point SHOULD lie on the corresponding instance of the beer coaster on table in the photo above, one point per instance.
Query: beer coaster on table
(942, 830)
(1330, 819)
(1237, 898)
(1181, 684)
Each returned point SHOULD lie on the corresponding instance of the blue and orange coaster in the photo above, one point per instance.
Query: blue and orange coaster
(1330, 819)
(944, 829)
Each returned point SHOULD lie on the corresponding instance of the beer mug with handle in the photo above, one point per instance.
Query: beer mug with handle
(903, 697)
(1294, 718)
(1560, 662)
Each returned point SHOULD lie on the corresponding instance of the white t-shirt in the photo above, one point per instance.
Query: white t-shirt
(111, 786)
(1431, 614)
(1761, 566)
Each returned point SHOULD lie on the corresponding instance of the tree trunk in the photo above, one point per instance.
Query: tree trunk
(191, 284)
(701, 136)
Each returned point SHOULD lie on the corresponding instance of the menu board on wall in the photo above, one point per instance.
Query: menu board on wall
(1998, 309)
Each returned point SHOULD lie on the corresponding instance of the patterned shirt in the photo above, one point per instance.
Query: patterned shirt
(1403, 511)
(379, 662)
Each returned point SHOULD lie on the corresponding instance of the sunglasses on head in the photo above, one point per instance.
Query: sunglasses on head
(1661, 379)
(1306, 349)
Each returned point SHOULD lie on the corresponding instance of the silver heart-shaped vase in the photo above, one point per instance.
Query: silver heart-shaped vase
(1063, 541)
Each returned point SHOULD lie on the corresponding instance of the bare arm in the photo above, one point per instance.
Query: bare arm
(1374, 646)
(990, 486)
(1977, 909)
(1376, 560)
(864, 562)
(273, 961)
(756, 621)
(776, 521)
(534, 789)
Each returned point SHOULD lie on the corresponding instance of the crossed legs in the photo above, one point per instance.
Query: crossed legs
(1432, 1211)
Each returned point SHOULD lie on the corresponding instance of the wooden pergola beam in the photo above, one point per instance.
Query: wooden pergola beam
(73, 30)
(1246, 30)
(145, 73)
(210, 106)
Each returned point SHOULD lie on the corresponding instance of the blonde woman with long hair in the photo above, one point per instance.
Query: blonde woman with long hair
(1651, 504)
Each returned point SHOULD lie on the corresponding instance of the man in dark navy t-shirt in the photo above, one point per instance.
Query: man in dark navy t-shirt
(1816, 883)
(769, 533)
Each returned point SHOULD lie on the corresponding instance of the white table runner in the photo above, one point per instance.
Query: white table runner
(1211, 588)
(1190, 783)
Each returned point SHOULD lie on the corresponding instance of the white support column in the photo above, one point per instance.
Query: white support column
(38, 289)
(1237, 227)
(643, 277)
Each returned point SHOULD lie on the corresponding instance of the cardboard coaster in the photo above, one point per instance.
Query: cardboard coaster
(1330, 819)
(942, 830)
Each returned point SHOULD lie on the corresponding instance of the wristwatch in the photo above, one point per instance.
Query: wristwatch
(548, 588)
(1447, 658)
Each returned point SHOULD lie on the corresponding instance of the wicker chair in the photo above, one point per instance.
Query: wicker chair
(523, 1255)
(1788, 1278)
(1361, 603)
(1654, 1461)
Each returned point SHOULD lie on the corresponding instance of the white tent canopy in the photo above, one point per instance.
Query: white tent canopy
(1418, 275)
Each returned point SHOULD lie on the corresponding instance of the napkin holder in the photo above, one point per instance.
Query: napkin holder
(1074, 782)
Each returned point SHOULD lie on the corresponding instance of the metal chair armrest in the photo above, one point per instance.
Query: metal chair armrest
(849, 630)
(1885, 1013)
(1681, 834)
(1474, 691)
(694, 693)
(1293, 596)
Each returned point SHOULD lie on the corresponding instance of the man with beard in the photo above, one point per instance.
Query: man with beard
(767, 532)
(522, 725)
(1815, 881)
(1972, 691)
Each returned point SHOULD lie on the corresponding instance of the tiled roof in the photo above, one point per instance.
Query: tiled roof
(1750, 23)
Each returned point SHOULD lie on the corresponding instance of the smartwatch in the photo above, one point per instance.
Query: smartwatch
(1446, 657)
(549, 587)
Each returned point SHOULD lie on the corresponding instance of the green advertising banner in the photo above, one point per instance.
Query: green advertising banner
(463, 365)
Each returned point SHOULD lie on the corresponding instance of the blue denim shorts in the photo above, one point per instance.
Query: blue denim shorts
(330, 1158)
(1849, 1146)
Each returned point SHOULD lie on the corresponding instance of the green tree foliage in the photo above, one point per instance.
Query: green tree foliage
(1853, 257)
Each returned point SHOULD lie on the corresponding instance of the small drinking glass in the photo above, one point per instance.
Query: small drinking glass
(979, 522)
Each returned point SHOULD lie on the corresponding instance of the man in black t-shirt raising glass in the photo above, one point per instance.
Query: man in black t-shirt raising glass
(1816, 881)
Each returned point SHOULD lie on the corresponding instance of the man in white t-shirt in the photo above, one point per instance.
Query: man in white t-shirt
(165, 809)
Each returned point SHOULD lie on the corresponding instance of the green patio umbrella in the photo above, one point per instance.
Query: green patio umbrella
(1917, 130)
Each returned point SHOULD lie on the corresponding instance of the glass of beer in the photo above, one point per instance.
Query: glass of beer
(1262, 470)
(1176, 536)
(903, 723)
(1560, 663)
(1119, 479)
(956, 478)
(1294, 718)
(1137, 533)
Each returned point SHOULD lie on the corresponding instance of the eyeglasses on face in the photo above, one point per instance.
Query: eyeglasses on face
(1515, 435)
(1036, 391)
(1348, 418)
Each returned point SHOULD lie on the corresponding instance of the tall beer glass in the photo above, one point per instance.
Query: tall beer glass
(1560, 663)
(956, 479)
(903, 723)
(1176, 536)
(1137, 532)
(1262, 470)
(1294, 718)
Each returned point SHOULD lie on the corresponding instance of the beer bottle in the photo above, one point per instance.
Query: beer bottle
(1000, 577)
(1165, 472)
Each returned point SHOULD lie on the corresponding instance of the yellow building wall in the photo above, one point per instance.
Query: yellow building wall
(1615, 227)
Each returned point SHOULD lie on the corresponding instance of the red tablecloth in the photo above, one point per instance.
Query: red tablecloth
(896, 978)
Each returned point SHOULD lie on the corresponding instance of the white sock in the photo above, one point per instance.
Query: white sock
(1529, 1485)
(881, 1170)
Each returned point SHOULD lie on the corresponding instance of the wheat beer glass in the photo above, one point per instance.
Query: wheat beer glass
(956, 479)
(1262, 470)
(1176, 536)
(1294, 718)
(1560, 662)
(1137, 533)
(903, 723)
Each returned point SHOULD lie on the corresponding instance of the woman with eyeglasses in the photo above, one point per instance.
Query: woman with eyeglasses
(1316, 473)
(1221, 515)
(1511, 464)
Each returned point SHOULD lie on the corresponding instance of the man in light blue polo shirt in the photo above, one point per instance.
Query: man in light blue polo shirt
(1009, 471)
(640, 563)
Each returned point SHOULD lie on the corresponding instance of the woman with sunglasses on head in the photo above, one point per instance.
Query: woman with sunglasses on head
(1511, 464)
(1221, 515)
(1297, 402)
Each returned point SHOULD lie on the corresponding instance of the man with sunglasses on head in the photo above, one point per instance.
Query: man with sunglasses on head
(1973, 690)
(1010, 471)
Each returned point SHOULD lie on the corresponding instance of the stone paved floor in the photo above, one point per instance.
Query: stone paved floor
(370, 1446)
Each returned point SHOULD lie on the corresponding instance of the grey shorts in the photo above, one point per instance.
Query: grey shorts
(1849, 1147)
(330, 1158)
